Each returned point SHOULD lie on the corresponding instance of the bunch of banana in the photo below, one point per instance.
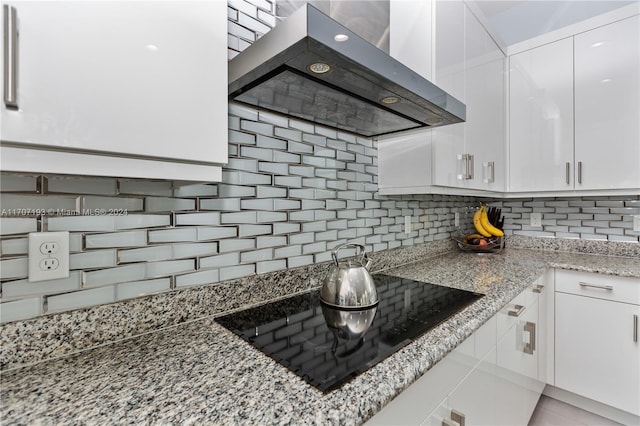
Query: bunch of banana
(482, 225)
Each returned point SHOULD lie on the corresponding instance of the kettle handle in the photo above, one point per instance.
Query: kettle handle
(364, 259)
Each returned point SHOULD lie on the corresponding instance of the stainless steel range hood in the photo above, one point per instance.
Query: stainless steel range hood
(311, 67)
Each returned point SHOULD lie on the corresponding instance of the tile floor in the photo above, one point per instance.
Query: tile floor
(551, 412)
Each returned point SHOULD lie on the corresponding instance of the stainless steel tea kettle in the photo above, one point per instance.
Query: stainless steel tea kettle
(350, 286)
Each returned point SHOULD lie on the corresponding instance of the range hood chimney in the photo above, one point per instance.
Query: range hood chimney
(313, 68)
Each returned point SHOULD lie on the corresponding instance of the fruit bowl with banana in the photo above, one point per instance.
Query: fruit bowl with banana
(488, 236)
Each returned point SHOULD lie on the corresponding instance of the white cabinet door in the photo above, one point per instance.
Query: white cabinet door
(475, 399)
(607, 106)
(448, 141)
(541, 118)
(518, 387)
(133, 79)
(404, 163)
(597, 352)
(410, 34)
(470, 66)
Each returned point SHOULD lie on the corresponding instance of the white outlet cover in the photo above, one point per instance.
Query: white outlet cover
(536, 220)
(636, 223)
(45, 249)
(407, 224)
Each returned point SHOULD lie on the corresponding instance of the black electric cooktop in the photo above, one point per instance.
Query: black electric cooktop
(295, 333)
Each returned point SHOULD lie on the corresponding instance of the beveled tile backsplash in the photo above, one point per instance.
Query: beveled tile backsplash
(292, 192)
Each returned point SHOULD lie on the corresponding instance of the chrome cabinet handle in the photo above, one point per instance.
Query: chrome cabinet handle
(447, 422)
(579, 171)
(10, 39)
(531, 345)
(568, 173)
(468, 166)
(490, 172)
(538, 289)
(517, 312)
(635, 328)
(601, 287)
(457, 417)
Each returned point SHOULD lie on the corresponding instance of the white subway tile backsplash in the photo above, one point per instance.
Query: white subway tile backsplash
(142, 187)
(18, 183)
(253, 230)
(145, 254)
(14, 246)
(256, 255)
(20, 309)
(81, 299)
(220, 260)
(84, 185)
(25, 288)
(111, 205)
(141, 288)
(115, 275)
(297, 261)
(116, 239)
(231, 272)
(270, 266)
(159, 269)
(176, 235)
(166, 204)
(291, 192)
(194, 250)
(14, 268)
(269, 142)
(93, 259)
(198, 218)
(17, 225)
(198, 278)
(196, 190)
(23, 205)
(133, 221)
(207, 233)
(82, 223)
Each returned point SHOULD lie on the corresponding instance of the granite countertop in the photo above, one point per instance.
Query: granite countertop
(200, 372)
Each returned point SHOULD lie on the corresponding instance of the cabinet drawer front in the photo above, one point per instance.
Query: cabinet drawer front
(514, 310)
(601, 286)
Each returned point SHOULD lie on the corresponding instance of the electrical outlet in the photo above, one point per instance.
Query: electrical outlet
(407, 224)
(636, 223)
(536, 220)
(48, 256)
(456, 219)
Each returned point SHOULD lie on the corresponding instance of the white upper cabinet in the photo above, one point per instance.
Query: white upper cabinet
(541, 118)
(574, 108)
(144, 81)
(410, 34)
(470, 66)
(607, 106)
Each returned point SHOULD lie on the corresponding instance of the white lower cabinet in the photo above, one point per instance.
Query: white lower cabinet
(488, 379)
(597, 348)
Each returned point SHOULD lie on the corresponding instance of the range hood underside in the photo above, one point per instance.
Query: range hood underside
(349, 96)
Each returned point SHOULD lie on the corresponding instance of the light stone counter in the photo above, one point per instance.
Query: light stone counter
(200, 373)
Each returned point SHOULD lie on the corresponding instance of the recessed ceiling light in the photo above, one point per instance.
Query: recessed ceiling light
(388, 100)
(319, 68)
(597, 44)
(341, 38)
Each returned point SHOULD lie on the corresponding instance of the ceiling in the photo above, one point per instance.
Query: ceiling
(518, 20)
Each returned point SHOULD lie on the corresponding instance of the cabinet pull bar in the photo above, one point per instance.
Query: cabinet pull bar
(517, 312)
(531, 346)
(470, 167)
(602, 287)
(568, 173)
(579, 171)
(538, 289)
(10, 39)
(447, 422)
(457, 417)
(635, 328)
